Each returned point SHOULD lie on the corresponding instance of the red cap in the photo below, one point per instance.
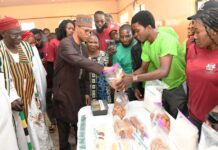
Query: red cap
(26, 34)
(8, 23)
(114, 27)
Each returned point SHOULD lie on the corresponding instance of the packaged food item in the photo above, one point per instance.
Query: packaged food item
(122, 98)
(138, 126)
(160, 119)
(158, 144)
(120, 104)
(100, 142)
(99, 107)
(119, 128)
(160, 122)
(114, 75)
(123, 128)
(128, 130)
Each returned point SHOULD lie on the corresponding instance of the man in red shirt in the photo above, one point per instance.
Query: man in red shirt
(102, 29)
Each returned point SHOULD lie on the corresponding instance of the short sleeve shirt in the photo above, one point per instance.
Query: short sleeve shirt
(202, 80)
(165, 44)
(123, 57)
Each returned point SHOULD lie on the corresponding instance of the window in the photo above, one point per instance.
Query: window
(124, 18)
(27, 25)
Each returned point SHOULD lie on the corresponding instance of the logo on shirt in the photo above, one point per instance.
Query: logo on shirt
(210, 68)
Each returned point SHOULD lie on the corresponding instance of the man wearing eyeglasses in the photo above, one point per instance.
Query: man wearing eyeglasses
(68, 70)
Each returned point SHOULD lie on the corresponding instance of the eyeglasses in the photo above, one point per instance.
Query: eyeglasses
(14, 35)
(86, 30)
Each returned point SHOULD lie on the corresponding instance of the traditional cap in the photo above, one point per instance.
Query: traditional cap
(84, 21)
(8, 23)
(26, 34)
(207, 5)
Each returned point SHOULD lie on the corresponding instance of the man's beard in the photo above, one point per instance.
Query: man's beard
(127, 45)
(100, 30)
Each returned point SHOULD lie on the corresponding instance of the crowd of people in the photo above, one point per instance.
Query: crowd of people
(61, 72)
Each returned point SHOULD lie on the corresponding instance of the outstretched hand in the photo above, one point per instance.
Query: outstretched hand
(122, 85)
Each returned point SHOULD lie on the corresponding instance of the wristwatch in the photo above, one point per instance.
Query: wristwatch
(135, 78)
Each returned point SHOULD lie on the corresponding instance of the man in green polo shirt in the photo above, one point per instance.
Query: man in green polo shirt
(122, 56)
(162, 50)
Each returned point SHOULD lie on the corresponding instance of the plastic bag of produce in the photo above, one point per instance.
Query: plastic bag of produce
(114, 75)
(120, 104)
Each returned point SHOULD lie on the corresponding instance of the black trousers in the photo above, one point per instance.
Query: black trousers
(130, 94)
(64, 133)
(175, 99)
(50, 74)
(50, 106)
(49, 99)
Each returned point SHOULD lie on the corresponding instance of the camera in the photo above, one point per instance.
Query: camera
(110, 42)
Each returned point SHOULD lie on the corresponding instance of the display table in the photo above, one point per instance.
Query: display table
(89, 124)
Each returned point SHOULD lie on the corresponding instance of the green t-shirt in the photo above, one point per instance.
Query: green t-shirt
(163, 45)
(183, 52)
(123, 57)
(168, 30)
(172, 32)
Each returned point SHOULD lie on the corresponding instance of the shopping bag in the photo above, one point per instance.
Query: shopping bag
(209, 138)
(153, 93)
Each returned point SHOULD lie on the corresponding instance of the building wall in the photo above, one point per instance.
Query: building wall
(166, 12)
(49, 15)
